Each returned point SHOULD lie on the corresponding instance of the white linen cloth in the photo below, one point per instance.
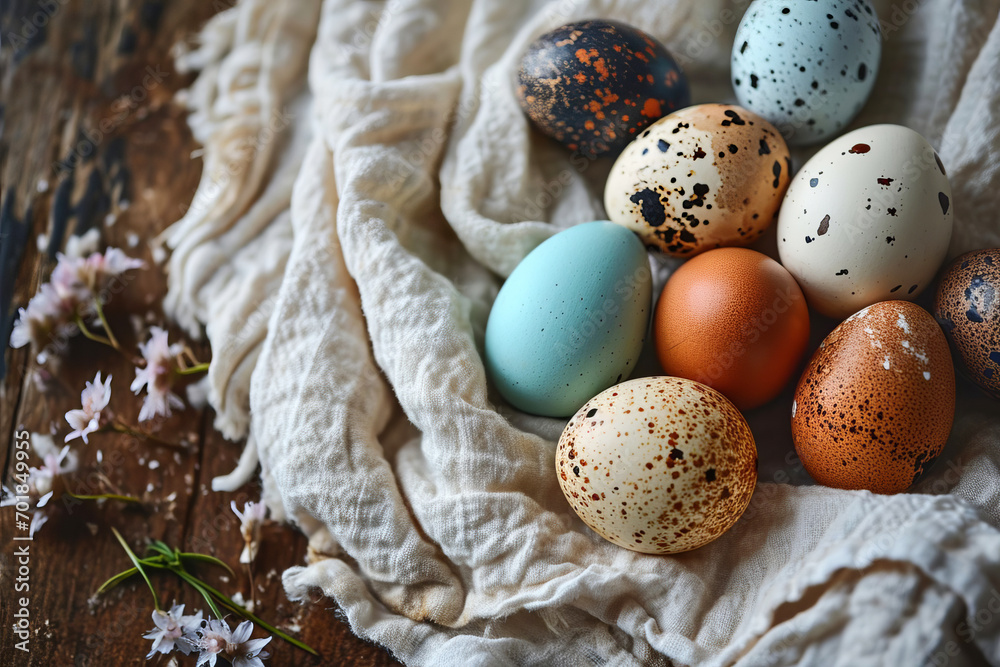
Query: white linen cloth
(368, 181)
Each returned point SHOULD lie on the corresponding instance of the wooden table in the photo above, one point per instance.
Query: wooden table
(90, 137)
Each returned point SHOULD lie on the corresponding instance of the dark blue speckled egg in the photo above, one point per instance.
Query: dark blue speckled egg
(967, 306)
(594, 85)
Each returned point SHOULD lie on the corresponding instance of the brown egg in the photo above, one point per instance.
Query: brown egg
(735, 320)
(874, 407)
(703, 177)
(658, 465)
(967, 307)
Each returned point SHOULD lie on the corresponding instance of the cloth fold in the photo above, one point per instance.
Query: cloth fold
(344, 270)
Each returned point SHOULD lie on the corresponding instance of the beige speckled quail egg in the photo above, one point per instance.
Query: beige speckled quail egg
(658, 465)
(703, 177)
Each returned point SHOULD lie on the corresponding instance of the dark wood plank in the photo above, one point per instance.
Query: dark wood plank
(81, 133)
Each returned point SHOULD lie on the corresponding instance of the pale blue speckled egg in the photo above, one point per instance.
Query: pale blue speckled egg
(807, 66)
(570, 320)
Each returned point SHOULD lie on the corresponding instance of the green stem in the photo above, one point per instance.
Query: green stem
(138, 566)
(87, 333)
(107, 496)
(107, 327)
(245, 613)
(199, 368)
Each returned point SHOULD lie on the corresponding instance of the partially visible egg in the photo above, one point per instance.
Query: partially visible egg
(808, 67)
(875, 405)
(735, 320)
(707, 176)
(658, 465)
(594, 85)
(967, 306)
(867, 219)
(570, 320)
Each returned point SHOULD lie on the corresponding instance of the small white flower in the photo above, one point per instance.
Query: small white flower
(158, 375)
(38, 519)
(213, 639)
(172, 631)
(70, 293)
(251, 518)
(95, 397)
(243, 651)
(85, 244)
(50, 314)
(41, 479)
(94, 272)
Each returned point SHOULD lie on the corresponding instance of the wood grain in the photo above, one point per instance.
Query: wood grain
(90, 137)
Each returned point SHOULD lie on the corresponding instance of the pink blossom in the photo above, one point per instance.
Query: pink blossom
(95, 397)
(50, 314)
(75, 284)
(158, 375)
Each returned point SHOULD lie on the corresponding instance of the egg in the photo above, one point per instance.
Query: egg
(570, 320)
(658, 465)
(808, 67)
(967, 306)
(594, 85)
(875, 405)
(735, 320)
(707, 176)
(867, 219)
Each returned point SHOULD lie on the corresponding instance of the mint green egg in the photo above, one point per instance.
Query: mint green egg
(570, 320)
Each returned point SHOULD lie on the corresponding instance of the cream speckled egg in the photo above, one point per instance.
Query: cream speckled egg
(703, 177)
(867, 219)
(658, 465)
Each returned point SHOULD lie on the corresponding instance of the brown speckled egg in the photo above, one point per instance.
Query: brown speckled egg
(594, 85)
(736, 320)
(658, 465)
(704, 177)
(874, 407)
(967, 306)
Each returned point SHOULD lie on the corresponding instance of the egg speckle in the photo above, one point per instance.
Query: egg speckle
(807, 67)
(594, 85)
(967, 308)
(707, 176)
(861, 221)
(658, 465)
(866, 413)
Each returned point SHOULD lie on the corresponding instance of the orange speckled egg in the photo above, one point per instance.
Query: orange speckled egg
(733, 319)
(658, 465)
(874, 407)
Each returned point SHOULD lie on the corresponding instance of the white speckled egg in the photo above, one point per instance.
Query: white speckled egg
(658, 465)
(807, 67)
(867, 219)
(703, 177)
